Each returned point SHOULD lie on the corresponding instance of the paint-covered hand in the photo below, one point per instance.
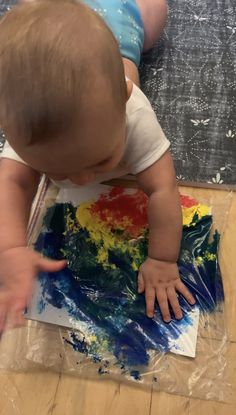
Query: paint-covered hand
(18, 268)
(160, 280)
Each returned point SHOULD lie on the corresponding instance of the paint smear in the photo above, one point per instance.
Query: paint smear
(104, 242)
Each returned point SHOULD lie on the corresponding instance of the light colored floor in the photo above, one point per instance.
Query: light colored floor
(52, 394)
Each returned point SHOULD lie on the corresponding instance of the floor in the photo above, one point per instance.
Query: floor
(47, 393)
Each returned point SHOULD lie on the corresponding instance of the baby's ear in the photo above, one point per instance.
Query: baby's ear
(129, 85)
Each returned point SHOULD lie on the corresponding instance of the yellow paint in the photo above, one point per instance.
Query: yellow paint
(64, 253)
(199, 260)
(207, 256)
(98, 344)
(71, 224)
(189, 213)
(91, 338)
(101, 234)
(210, 257)
(102, 255)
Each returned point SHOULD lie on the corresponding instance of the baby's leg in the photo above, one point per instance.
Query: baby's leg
(153, 13)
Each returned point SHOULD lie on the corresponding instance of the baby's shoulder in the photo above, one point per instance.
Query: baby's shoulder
(141, 119)
(145, 140)
(137, 102)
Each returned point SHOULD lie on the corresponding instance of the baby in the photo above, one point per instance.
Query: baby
(71, 109)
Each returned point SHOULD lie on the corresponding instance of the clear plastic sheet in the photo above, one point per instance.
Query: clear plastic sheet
(40, 345)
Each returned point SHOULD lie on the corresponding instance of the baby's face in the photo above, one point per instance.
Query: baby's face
(98, 148)
(89, 172)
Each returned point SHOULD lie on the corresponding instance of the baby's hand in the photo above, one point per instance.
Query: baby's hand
(160, 280)
(18, 268)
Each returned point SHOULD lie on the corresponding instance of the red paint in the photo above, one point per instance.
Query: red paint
(187, 201)
(117, 206)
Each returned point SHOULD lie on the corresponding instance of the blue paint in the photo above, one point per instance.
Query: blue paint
(205, 280)
(77, 344)
(96, 359)
(102, 371)
(41, 305)
(135, 374)
(107, 300)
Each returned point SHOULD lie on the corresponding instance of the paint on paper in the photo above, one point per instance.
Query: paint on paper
(104, 239)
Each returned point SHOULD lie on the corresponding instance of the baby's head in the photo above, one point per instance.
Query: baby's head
(62, 89)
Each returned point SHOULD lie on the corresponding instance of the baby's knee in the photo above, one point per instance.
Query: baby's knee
(163, 5)
(152, 8)
(154, 14)
(163, 11)
(160, 5)
(159, 12)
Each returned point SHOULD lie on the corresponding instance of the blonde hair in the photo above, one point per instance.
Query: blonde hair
(52, 56)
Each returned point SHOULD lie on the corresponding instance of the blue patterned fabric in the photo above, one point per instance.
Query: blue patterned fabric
(124, 19)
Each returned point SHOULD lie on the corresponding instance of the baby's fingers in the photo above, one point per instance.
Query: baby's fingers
(141, 283)
(3, 317)
(173, 300)
(150, 301)
(14, 315)
(49, 265)
(19, 319)
(182, 289)
(15, 319)
(163, 304)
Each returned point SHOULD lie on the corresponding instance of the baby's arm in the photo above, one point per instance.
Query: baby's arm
(18, 187)
(159, 275)
(18, 264)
